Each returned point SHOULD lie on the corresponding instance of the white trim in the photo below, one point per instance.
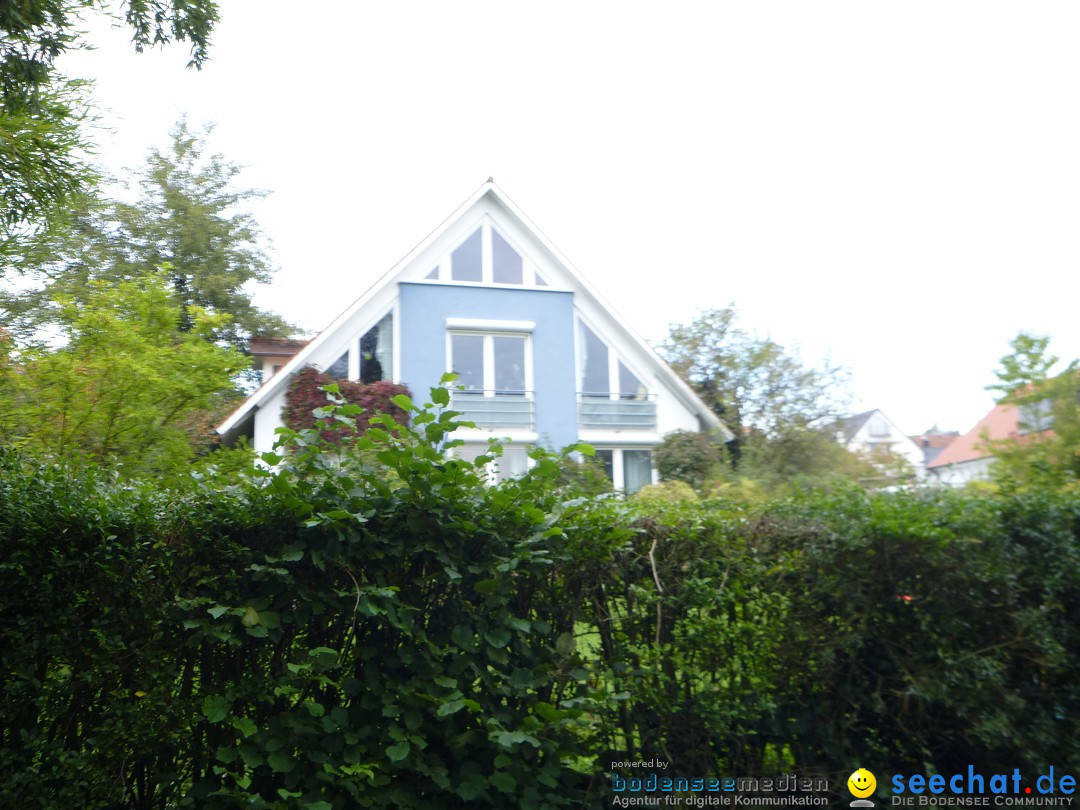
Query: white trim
(637, 438)
(485, 325)
(472, 435)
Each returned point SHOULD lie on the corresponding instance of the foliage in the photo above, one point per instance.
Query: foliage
(688, 456)
(583, 477)
(666, 491)
(366, 623)
(751, 382)
(307, 394)
(124, 386)
(41, 168)
(188, 220)
(774, 404)
(1047, 452)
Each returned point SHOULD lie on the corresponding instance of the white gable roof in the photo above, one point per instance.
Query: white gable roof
(488, 197)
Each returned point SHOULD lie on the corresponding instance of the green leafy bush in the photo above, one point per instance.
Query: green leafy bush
(367, 623)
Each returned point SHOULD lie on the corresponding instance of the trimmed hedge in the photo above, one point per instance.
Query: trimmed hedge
(370, 624)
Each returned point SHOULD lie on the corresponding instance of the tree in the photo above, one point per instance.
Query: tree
(188, 219)
(125, 386)
(776, 406)
(1046, 453)
(41, 112)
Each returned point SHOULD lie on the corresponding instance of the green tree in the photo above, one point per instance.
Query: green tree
(125, 386)
(188, 218)
(42, 143)
(778, 408)
(1047, 451)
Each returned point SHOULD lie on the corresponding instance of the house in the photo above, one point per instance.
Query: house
(968, 457)
(872, 434)
(272, 354)
(541, 358)
(933, 442)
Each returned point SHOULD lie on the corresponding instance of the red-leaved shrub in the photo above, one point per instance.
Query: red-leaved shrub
(305, 394)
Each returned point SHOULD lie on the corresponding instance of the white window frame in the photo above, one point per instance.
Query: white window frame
(488, 349)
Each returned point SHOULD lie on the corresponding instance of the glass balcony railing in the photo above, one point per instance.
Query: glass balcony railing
(498, 409)
(617, 411)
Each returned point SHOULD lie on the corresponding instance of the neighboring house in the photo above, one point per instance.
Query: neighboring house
(933, 443)
(541, 358)
(967, 458)
(872, 433)
(273, 354)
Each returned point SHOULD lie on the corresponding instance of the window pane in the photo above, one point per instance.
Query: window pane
(507, 262)
(607, 458)
(509, 364)
(377, 351)
(467, 360)
(340, 369)
(434, 273)
(637, 470)
(539, 280)
(465, 262)
(514, 463)
(594, 364)
(630, 386)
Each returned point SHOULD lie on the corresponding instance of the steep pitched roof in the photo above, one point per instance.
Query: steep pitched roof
(1003, 422)
(490, 191)
(850, 425)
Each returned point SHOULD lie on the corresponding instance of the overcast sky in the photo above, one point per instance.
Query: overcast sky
(894, 185)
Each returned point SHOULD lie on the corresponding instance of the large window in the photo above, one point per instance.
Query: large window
(629, 469)
(377, 352)
(374, 355)
(491, 365)
(602, 373)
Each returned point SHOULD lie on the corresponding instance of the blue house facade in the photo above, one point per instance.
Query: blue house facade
(540, 359)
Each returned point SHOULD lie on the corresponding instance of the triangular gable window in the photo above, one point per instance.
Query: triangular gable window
(486, 256)
(505, 262)
(466, 263)
(603, 373)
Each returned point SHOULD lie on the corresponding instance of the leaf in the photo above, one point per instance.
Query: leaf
(398, 752)
(486, 586)
(449, 707)
(250, 617)
(503, 781)
(217, 611)
(462, 636)
(508, 739)
(215, 708)
(440, 396)
(499, 637)
(402, 402)
(281, 761)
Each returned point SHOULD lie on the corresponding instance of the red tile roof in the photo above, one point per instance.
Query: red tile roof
(1003, 422)
(276, 346)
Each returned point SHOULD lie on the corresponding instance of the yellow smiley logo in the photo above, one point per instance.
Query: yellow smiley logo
(861, 783)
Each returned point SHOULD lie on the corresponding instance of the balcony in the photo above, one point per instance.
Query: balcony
(499, 409)
(614, 412)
